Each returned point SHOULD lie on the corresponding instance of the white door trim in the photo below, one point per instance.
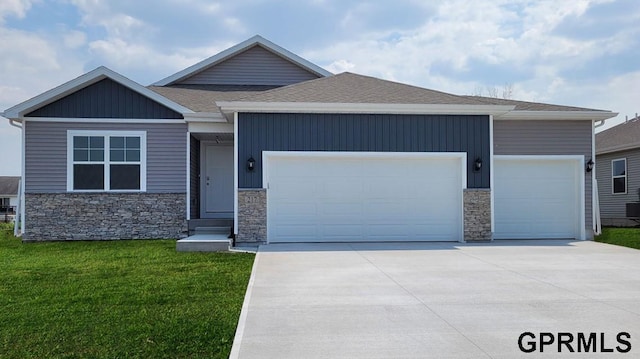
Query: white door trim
(579, 161)
(267, 156)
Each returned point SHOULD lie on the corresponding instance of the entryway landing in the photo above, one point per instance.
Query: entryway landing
(207, 235)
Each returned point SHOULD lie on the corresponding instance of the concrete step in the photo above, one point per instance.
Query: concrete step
(204, 243)
(209, 222)
(212, 230)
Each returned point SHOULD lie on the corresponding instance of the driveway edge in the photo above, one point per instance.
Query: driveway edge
(237, 339)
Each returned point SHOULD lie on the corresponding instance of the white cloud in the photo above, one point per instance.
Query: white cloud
(74, 39)
(17, 8)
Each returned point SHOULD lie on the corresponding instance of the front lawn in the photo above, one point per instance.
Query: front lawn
(118, 299)
(628, 237)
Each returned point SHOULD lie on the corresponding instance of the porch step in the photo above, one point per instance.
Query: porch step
(210, 226)
(213, 230)
(204, 243)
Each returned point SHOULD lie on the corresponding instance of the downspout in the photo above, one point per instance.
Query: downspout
(18, 228)
(595, 195)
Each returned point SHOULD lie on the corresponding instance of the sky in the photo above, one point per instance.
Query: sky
(582, 53)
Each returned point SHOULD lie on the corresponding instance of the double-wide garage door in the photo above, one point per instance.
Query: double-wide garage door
(537, 197)
(335, 197)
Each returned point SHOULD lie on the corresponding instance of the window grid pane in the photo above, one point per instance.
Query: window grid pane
(125, 149)
(88, 148)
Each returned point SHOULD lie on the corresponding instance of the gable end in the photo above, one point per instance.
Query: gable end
(105, 99)
(255, 66)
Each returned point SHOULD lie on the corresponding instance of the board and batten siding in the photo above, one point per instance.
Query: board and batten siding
(547, 137)
(194, 177)
(105, 99)
(256, 66)
(46, 155)
(614, 205)
(259, 132)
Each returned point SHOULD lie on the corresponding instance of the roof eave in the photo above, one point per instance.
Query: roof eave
(18, 111)
(558, 115)
(255, 40)
(625, 147)
(230, 107)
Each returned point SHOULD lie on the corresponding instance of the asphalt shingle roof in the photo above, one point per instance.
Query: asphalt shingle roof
(342, 88)
(9, 185)
(528, 106)
(202, 98)
(623, 136)
(353, 88)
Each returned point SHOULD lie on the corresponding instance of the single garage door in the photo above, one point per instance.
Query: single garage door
(349, 197)
(537, 197)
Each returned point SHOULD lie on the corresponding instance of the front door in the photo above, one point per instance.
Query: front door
(217, 182)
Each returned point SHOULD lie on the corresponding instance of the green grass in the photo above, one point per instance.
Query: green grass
(117, 299)
(628, 237)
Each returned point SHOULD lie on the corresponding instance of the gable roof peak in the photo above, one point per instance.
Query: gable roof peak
(85, 80)
(253, 41)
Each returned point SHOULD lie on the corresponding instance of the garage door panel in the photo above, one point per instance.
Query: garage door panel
(536, 198)
(364, 199)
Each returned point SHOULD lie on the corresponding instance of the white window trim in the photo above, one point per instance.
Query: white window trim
(107, 162)
(613, 177)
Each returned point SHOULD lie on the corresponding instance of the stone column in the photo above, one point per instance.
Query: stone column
(252, 216)
(477, 214)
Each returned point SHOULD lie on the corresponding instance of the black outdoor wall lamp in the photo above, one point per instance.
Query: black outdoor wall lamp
(477, 165)
(589, 166)
(251, 164)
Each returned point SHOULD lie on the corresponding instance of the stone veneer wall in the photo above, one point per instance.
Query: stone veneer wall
(252, 215)
(477, 214)
(104, 216)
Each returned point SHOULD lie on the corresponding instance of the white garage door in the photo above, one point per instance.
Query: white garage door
(335, 197)
(537, 197)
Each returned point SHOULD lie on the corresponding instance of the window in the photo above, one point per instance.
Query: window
(106, 161)
(619, 175)
(5, 205)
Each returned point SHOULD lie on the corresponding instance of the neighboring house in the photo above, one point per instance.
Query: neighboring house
(618, 172)
(292, 153)
(8, 195)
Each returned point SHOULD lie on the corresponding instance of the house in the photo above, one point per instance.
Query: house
(9, 186)
(618, 173)
(288, 152)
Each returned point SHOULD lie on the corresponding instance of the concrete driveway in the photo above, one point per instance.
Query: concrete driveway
(441, 300)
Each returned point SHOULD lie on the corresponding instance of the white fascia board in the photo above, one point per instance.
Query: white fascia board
(210, 127)
(625, 147)
(241, 47)
(83, 81)
(317, 107)
(103, 120)
(557, 115)
(204, 117)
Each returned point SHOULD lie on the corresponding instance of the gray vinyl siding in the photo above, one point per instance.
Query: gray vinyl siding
(614, 205)
(105, 99)
(256, 66)
(360, 132)
(547, 137)
(46, 155)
